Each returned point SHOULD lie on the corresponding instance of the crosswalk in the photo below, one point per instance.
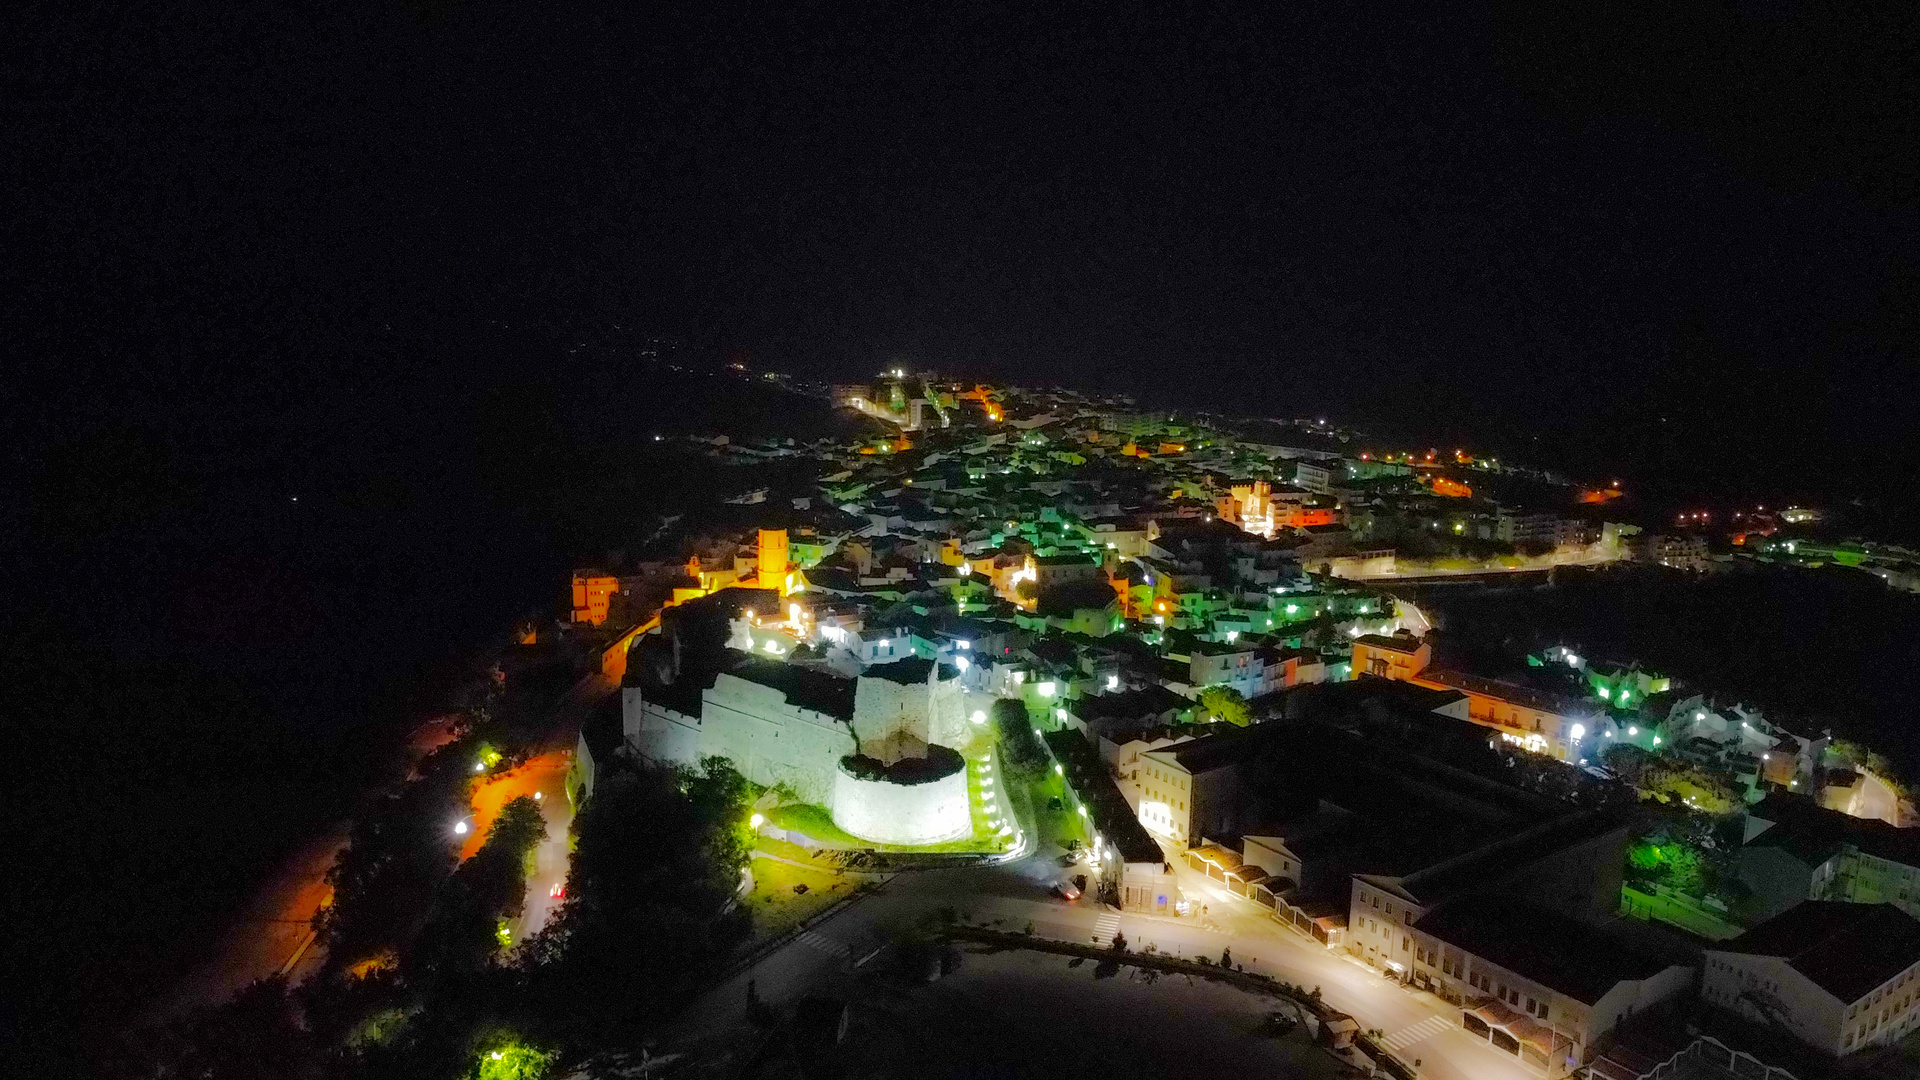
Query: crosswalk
(1104, 927)
(1420, 1032)
(813, 939)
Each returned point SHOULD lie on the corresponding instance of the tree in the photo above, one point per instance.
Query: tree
(485, 894)
(1226, 704)
(646, 919)
(1627, 762)
(1020, 749)
(256, 1033)
(398, 853)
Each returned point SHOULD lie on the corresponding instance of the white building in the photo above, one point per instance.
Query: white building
(1839, 976)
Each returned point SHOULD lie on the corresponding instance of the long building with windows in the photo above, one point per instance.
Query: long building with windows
(1840, 977)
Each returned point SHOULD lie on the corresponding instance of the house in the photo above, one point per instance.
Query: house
(1535, 720)
(1796, 850)
(1400, 657)
(1129, 861)
(1191, 790)
(1081, 606)
(1535, 983)
(1570, 865)
(592, 595)
(1317, 476)
(1840, 977)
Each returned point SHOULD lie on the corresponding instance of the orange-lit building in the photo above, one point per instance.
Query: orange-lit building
(1399, 658)
(1534, 720)
(1453, 488)
(592, 592)
(1295, 516)
(1258, 509)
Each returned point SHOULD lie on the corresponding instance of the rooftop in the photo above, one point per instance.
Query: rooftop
(1404, 645)
(1513, 693)
(1545, 946)
(1845, 949)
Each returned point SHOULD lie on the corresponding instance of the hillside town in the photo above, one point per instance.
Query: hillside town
(1178, 674)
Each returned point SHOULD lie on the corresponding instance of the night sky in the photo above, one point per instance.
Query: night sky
(1488, 223)
(389, 257)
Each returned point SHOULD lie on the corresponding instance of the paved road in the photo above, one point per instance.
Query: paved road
(1417, 1025)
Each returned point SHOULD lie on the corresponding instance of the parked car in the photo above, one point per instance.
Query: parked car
(1065, 890)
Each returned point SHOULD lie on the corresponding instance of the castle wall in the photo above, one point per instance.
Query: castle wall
(901, 813)
(656, 732)
(773, 742)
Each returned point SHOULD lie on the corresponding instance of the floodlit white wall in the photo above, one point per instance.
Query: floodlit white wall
(771, 741)
(657, 732)
(888, 813)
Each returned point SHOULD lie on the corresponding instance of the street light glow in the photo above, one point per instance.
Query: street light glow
(459, 828)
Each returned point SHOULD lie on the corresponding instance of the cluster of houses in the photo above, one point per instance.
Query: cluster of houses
(1180, 610)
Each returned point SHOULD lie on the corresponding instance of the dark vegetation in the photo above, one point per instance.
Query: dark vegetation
(940, 763)
(646, 923)
(1020, 748)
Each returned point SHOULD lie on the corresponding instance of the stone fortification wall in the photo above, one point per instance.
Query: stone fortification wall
(890, 813)
(771, 741)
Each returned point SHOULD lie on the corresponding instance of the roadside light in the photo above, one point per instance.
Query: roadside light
(1656, 740)
(1606, 693)
(1632, 730)
(479, 766)
(1083, 811)
(459, 828)
(538, 795)
(979, 716)
(1579, 732)
(1059, 770)
(757, 820)
(1113, 682)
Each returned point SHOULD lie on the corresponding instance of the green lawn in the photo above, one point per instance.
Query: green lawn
(777, 908)
(815, 822)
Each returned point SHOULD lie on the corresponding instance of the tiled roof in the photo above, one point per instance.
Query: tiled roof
(1845, 949)
(1541, 945)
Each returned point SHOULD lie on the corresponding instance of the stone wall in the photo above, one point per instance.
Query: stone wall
(889, 813)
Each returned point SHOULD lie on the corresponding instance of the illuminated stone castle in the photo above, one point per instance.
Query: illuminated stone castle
(868, 749)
